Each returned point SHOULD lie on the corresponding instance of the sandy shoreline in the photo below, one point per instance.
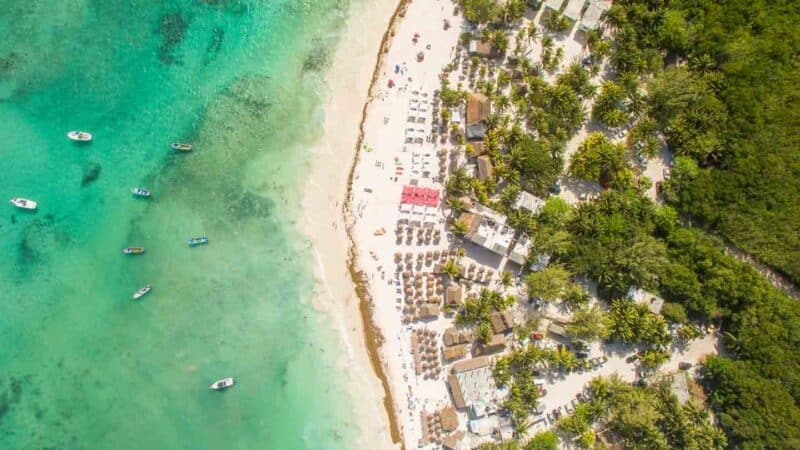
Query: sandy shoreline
(348, 83)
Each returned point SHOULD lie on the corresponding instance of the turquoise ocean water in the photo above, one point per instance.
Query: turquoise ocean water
(82, 366)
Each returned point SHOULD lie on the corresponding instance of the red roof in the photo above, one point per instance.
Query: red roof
(420, 196)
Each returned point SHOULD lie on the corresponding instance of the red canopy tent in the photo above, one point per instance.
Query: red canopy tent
(420, 196)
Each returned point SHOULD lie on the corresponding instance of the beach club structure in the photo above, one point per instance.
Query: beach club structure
(471, 382)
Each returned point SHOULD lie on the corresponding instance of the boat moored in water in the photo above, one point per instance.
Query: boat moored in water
(140, 192)
(222, 384)
(23, 203)
(80, 136)
(142, 292)
(180, 146)
(133, 250)
(198, 241)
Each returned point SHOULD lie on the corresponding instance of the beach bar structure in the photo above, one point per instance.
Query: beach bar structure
(573, 10)
(591, 17)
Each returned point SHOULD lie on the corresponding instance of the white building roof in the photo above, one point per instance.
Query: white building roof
(573, 10)
(528, 201)
(521, 249)
(484, 426)
(642, 297)
(555, 5)
(477, 385)
(591, 17)
(492, 233)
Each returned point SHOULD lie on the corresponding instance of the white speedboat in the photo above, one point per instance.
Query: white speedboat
(23, 203)
(198, 241)
(80, 136)
(222, 384)
(181, 146)
(142, 292)
(140, 192)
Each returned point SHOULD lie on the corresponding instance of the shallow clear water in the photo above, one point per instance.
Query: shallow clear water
(82, 366)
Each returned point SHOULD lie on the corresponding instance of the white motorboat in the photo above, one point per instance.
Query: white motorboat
(181, 146)
(141, 292)
(23, 203)
(140, 192)
(80, 136)
(222, 384)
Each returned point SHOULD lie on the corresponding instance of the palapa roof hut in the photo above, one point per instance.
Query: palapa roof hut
(479, 48)
(455, 352)
(448, 418)
(453, 441)
(473, 222)
(429, 311)
(496, 343)
(478, 109)
(454, 336)
(485, 168)
(453, 294)
(498, 324)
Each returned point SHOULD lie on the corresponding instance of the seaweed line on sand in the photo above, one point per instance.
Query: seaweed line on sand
(372, 333)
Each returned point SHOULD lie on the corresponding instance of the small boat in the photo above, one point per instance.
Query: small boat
(23, 203)
(181, 146)
(133, 250)
(198, 241)
(141, 292)
(140, 192)
(222, 384)
(80, 136)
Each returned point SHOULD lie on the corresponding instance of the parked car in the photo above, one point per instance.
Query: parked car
(631, 359)
(685, 365)
(582, 355)
(659, 187)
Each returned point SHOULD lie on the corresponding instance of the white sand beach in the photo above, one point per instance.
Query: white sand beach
(348, 82)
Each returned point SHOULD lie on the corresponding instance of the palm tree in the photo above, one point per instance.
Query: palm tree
(533, 32)
(459, 228)
(506, 278)
(452, 268)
